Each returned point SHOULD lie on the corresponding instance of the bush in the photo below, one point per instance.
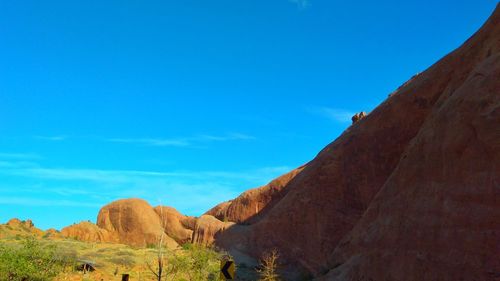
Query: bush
(203, 262)
(268, 266)
(126, 261)
(30, 261)
(187, 246)
(193, 263)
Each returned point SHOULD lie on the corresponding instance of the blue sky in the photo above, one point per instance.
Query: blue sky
(188, 103)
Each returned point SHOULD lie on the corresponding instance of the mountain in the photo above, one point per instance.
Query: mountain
(409, 192)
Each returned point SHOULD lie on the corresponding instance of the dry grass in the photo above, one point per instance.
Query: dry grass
(113, 260)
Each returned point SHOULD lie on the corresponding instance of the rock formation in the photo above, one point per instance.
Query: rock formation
(410, 193)
(438, 216)
(89, 232)
(134, 221)
(207, 228)
(16, 227)
(358, 116)
(254, 203)
(175, 224)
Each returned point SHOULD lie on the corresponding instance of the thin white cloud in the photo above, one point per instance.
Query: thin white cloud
(165, 142)
(18, 160)
(334, 114)
(30, 202)
(19, 156)
(52, 138)
(302, 4)
(183, 141)
(239, 136)
(123, 176)
(192, 192)
(151, 141)
(228, 137)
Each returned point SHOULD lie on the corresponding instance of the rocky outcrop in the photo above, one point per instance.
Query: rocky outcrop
(429, 157)
(207, 228)
(17, 223)
(176, 225)
(134, 222)
(251, 205)
(52, 233)
(16, 227)
(358, 116)
(26, 225)
(89, 232)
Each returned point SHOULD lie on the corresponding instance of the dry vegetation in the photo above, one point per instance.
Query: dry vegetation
(269, 266)
(189, 263)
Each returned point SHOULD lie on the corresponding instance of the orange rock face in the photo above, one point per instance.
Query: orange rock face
(175, 224)
(438, 216)
(89, 232)
(410, 192)
(251, 205)
(133, 221)
(207, 228)
(18, 227)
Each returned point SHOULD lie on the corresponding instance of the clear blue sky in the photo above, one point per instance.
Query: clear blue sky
(189, 103)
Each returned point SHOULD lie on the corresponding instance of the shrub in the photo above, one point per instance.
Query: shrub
(187, 246)
(204, 262)
(126, 261)
(193, 263)
(268, 266)
(30, 261)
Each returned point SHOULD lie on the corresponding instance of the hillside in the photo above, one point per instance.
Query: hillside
(409, 192)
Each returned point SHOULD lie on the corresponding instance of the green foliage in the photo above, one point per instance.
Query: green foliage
(125, 261)
(187, 246)
(205, 263)
(31, 261)
(193, 263)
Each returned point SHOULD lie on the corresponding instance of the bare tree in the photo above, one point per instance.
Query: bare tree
(158, 270)
(269, 266)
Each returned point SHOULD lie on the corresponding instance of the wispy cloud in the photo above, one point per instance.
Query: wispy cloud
(183, 141)
(18, 160)
(228, 137)
(17, 156)
(191, 192)
(302, 4)
(52, 138)
(151, 141)
(334, 114)
(30, 202)
(122, 176)
(191, 141)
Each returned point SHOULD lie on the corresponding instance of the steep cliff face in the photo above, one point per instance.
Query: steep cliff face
(335, 192)
(438, 216)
